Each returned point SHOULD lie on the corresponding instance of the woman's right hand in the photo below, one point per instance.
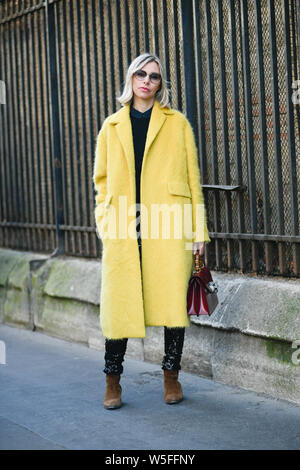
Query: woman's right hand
(198, 246)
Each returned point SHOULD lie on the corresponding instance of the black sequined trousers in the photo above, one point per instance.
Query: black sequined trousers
(115, 349)
(114, 355)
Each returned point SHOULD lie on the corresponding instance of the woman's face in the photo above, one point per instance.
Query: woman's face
(145, 89)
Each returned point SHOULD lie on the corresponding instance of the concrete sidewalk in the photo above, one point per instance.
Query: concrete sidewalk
(51, 394)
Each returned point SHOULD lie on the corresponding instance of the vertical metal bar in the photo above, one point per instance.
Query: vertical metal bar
(42, 151)
(298, 30)
(2, 105)
(35, 125)
(111, 58)
(55, 123)
(18, 135)
(103, 58)
(244, 123)
(127, 24)
(269, 246)
(27, 132)
(293, 20)
(213, 130)
(155, 28)
(76, 200)
(199, 93)
(4, 112)
(145, 25)
(136, 28)
(8, 138)
(25, 149)
(80, 218)
(295, 49)
(276, 131)
(88, 220)
(189, 62)
(61, 103)
(31, 154)
(249, 130)
(67, 173)
(237, 131)
(11, 137)
(10, 106)
(96, 63)
(99, 104)
(291, 136)
(225, 144)
(3, 230)
(177, 54)
(120, 77)
(15, 142)
(68, 183)
(47, 137)
(60, 96)
(165, 39)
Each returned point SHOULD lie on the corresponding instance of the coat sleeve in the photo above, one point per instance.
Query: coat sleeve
(99, 178)
(200, 231)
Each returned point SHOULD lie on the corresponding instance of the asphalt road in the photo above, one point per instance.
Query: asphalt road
(51, 394)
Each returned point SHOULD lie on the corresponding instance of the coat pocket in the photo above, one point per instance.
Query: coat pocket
(179, 188)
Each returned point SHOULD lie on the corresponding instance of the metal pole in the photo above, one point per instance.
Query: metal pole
(55, 122)
(189, 62)
(298, 32)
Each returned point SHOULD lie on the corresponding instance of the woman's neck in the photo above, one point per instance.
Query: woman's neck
(142, 105)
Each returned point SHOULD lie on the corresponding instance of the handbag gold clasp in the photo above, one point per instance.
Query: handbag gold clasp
(199, 264)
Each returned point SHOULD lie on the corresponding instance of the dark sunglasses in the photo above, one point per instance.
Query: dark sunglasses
(154, 77)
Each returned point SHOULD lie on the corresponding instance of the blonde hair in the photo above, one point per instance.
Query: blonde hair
(162, 94)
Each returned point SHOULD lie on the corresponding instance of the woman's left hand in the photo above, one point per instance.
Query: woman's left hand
(198, 246)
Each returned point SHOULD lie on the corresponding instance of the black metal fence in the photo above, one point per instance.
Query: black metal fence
(233, 67)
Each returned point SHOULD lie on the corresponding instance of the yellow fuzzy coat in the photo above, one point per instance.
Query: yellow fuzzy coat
(152, 293)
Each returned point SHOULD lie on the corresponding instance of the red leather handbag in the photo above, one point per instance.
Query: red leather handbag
(202, 291)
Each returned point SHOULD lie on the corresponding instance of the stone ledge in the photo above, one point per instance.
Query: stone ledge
(76, 279)
(8, 260)
(260, 306)
(14, 286)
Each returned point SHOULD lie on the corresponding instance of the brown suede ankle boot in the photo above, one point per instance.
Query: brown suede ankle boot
(173, 390)
(112, 398)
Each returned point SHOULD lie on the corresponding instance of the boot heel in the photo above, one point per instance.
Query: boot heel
(112, 398)
(172, 388)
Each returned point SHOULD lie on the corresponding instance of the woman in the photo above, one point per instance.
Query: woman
(146, 163)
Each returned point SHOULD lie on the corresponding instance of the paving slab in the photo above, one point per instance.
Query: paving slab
(51, 394)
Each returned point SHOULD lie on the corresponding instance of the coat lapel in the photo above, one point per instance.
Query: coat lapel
(157, 119)
(124, 131)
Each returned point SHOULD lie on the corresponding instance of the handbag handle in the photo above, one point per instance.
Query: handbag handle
(199, 264)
